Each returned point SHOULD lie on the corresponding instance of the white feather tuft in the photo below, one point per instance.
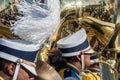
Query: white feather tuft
(38, 23)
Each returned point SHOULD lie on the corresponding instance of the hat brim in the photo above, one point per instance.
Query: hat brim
(90, 51)
(14, 59)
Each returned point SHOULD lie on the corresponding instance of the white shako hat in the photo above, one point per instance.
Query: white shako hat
(74, 44)
(19, 51)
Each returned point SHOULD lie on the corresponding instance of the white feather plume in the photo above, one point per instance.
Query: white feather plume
(38, 23)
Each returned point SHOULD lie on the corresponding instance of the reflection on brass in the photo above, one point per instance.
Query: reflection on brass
(98, 18)
(5, 32)
(7, 14)
(98, 30)
(117, 40)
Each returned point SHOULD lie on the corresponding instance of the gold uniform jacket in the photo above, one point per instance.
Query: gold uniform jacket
(92, 75)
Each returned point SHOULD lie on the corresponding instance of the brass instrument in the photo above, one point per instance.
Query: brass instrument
(99, 18)
(8, 12)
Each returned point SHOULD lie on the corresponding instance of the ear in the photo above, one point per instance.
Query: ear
(10, 68)
(78, 57)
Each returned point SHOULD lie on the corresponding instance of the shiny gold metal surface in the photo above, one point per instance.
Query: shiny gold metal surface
(98, 17)
(6, 33)
(7, 13)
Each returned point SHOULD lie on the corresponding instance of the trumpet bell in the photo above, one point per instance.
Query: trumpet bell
(98, 17)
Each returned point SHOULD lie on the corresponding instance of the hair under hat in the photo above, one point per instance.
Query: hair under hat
(14, 50)
(74, 44)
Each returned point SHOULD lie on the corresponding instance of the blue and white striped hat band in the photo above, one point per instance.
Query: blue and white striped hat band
(18, 53)
(94, 58)
(79, 47)
(73, 45)
(13, 50)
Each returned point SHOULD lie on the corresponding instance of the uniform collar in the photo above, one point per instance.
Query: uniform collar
(74, 67)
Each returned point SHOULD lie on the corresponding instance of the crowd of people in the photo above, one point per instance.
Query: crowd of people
(71, 60)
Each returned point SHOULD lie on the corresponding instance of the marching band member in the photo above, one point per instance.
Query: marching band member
(75, 55)
(17, 59)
